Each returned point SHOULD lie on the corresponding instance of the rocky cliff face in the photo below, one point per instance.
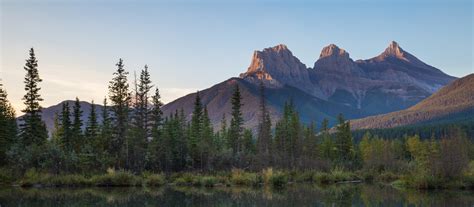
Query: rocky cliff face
(277, 67)
(391, 81)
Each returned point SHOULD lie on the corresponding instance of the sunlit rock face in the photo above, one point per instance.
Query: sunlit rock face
(391, 81)
(277, 66)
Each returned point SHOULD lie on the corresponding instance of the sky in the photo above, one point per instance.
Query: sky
(192, 45)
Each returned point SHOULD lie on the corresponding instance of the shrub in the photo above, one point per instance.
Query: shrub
(208, 181)
(68, 180)
(121, 178)
(154, 180)
(6, 176)
(274, 178)
(239, 177)
(306, 176)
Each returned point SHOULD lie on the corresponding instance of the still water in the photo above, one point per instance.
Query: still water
(293, 195)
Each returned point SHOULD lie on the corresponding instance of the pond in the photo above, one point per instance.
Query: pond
(293, 195)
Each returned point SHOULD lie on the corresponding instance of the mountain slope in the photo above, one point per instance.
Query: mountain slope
(49, 113)
(217, 100)
(455, 101)
(391, 81)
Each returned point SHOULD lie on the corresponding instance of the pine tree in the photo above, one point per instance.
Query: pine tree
(156, 115)
(264, 131)
(103, 144)
(326, 149)
(8, 127)
(195, 134)
(247, 142)
(343, 142)
(154, 149)
(143, 112)
(32, 129)
(120, 98)
(310, 142)
(140, 132)
(65, 132)
(206, 144)
(236, 122)
(76, 130)
(92, 128)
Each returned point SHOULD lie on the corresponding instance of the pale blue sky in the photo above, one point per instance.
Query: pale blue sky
(191, 45)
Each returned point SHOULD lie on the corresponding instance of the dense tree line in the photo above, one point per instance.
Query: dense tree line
(135, 135)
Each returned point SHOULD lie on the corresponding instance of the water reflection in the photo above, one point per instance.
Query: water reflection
(293, 195)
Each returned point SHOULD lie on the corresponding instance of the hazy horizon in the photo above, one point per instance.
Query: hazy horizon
(193, 45)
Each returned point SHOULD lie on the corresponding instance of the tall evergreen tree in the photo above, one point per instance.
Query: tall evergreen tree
(32, 129)
(8, 127)
(343, 142)
(206, 145)
(76, 130)
(120, 97)
(156, 116)
(195, 133)
(264, 137)
(103, 144)
(326, 149)
(65, 130)
(140, 131)
(92, 127)
(236, 122)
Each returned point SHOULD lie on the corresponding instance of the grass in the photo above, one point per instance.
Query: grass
(240, 177)
(336, 175)
(237, 177)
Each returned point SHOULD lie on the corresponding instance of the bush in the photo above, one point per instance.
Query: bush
(387, 177)
(274, 178)
(184, 179)
(121, 178)
(154, 180)
(208, 181)
(306, 176)
(6, 176)
(68, 180)
(423, 181)
(239, 177)
(336, 175)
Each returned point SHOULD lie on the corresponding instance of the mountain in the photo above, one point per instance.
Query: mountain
(389, 82)
(49, 113)
(392, 81)
(217, 100)
(453, 102)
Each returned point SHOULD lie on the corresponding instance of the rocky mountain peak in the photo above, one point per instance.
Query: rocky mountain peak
(394, 50)
(333, 50)
(278, 65)
(335, 59)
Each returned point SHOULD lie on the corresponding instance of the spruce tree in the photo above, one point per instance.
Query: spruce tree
(140, 132)
(156, 114)
(326, 149)
(65, 132)
(103, 145)
(343, 142)
(195, 133)
(264, 131)
(236, 122)
(76, 130)
(32, 129)
(120, 97)
(92, 127)
(8, 127)
(154, 149)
